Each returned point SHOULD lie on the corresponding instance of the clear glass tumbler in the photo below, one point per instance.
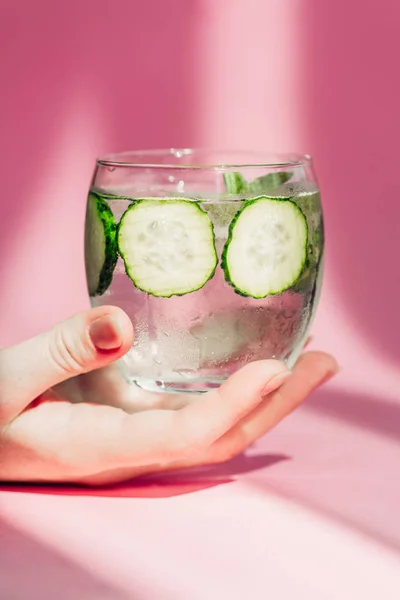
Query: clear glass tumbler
(217, 258)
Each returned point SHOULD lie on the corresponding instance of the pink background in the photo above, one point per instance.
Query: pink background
(82, 78)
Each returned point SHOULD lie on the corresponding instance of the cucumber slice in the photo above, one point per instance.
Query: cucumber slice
(307, 197)
(168, 246)
(100, 245)
(267, 247)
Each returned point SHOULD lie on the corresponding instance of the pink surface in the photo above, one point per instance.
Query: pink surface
(312, 511)
(306, 514)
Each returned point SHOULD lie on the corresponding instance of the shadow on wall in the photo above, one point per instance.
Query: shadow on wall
(352, 126)
(119, 74)
(30, 570)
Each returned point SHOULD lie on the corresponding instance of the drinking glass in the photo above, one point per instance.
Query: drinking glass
(216, 257)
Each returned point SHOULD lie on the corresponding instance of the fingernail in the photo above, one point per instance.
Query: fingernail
(275, 382)
(105, 333)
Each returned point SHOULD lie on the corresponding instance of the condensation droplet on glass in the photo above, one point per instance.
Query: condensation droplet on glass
(111, 169)
(180, 187)
(171, 178)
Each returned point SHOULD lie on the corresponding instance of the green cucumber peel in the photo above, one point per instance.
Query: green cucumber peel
(101, 253)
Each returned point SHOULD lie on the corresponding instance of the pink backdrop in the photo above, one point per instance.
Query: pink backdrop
(86, 78)
(82, 78)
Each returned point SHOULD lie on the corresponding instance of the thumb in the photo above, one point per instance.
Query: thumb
(86, 341)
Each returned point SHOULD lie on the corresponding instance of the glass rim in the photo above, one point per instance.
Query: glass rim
(120, 159)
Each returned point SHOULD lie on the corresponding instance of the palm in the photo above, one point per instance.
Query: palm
(96, 428)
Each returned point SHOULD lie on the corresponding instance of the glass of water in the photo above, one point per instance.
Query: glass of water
(216, 257)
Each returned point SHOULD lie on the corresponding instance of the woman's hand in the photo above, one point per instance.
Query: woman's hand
(60, 421)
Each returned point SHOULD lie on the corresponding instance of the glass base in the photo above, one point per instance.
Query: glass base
(178, 387)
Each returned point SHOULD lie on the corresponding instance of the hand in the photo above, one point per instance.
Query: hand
(61, 421)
